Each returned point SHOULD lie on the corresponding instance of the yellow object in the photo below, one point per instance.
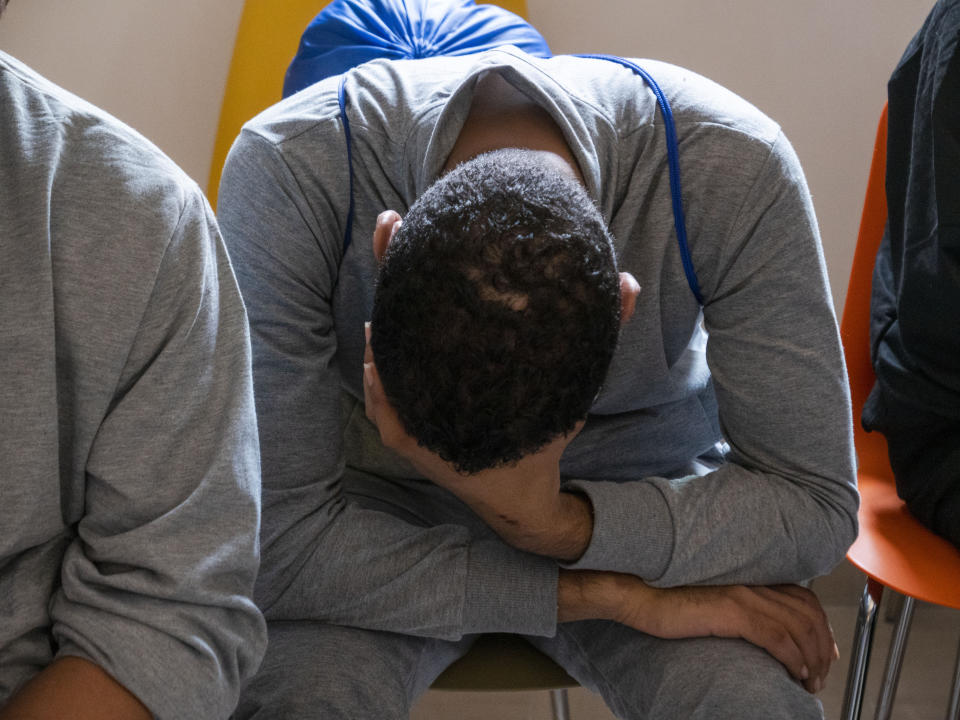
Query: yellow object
(267, 40)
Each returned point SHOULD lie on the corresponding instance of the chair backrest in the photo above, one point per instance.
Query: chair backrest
(267, 40)
(855, 325)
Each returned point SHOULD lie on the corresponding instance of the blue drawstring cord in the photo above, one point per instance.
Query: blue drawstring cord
(673, 159)
(342, 100)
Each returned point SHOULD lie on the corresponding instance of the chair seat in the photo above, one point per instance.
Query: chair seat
(500, 662)
(897, 551)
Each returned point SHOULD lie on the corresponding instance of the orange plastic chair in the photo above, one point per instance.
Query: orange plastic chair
(267, 40)
(893, 549)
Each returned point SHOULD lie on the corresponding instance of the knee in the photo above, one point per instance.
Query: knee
(737, 680)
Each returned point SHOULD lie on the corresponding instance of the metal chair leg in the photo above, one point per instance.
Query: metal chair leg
(893, 606)
(860, 655)
(561, 706)
(954, 712)
(891, 675)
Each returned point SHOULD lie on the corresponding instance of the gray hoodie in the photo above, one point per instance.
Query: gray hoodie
(757, 373)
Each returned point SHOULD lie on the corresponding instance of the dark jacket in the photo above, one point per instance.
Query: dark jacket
(915, 323)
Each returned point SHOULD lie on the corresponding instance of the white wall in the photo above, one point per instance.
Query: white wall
(819, 67)
(158, 66)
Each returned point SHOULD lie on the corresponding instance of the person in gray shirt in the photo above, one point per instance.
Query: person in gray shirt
(129, 475)
(712, 471)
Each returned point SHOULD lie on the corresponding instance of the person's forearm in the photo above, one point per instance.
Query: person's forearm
(588, 595)
(785, 620)
(561, 531)
(521, 501)
(75, 688)
(566, 534)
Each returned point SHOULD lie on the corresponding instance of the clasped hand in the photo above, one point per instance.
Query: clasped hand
(785, 620)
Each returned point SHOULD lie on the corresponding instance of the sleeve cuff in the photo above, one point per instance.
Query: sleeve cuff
(519, 596)
(632, 529)
(177, 678)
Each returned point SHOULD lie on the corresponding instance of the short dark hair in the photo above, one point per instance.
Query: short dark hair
(497, 310)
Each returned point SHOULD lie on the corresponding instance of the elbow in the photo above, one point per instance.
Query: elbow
(838, 530)
(845, 523)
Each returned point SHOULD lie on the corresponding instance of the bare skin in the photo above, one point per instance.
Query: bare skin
(524, 502)
(785, 620)
(74, 688)
(535, 516)
(502, 116)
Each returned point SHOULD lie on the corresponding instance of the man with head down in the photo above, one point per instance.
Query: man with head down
(510, 412)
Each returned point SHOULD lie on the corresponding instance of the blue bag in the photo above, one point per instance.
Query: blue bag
(350, 32)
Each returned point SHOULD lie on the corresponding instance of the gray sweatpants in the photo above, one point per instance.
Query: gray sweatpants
(323, 671)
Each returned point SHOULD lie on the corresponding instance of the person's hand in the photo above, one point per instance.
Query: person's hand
(521, 501)
(785, 620)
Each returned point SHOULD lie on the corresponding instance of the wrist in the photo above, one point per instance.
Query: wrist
(574, 528)
(589, 595)
(560, 530)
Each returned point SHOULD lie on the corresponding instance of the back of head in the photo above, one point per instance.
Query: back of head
(496, 311)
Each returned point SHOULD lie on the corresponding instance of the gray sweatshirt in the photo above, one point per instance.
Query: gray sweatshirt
(129, 485)
(757, 372)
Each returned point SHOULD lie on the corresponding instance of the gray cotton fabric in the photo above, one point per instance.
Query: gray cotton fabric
(756, 374)
(129, 454)
(315, 669)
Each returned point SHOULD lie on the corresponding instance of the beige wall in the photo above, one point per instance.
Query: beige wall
(819, 67)
(158, 66)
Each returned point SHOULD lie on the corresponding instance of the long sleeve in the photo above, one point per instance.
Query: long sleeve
(782, 508)
(128, 443)
(157, 584)
(325, 557)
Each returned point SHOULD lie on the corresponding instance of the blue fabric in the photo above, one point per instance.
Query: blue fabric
(342, 100)
(673, 156)
(350, 32)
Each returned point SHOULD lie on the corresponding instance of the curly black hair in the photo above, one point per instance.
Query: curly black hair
(497, 310)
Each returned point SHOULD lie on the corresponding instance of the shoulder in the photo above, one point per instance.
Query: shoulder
(729, 139)
(94, 211)
(304, 113)
(85, 164)
(697, 100)
(617, 91)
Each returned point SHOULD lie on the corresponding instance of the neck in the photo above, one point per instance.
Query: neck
(501, 116)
